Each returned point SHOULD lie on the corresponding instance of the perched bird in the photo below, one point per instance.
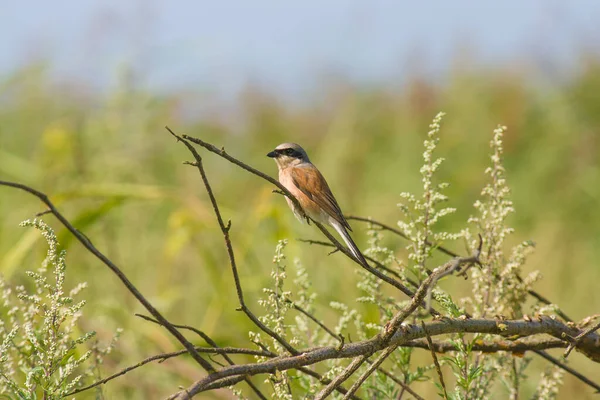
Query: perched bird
(298, 175)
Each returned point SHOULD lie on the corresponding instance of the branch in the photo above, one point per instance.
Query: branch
(211, 342)
(347, 373)
(578, 338)
(314, 319)
(399, 382)
(407, 333)
(221, 152)
(165, 356)
(225, 230)
(451, 253)
(374, 261)
(383, 371)
(425, 290)
(399, 233)
(518, 346)
(435, 360)
(392, 329)
(570, 370)
(116, 270)
(378, 361)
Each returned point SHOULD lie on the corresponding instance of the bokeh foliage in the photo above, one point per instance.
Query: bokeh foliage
(107, 162)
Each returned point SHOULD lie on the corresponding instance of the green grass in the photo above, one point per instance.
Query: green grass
(113, 170)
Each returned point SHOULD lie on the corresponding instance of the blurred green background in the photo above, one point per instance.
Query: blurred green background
(112, 169)
(86, 89)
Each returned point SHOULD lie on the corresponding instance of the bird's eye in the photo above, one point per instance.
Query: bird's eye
(289, 152)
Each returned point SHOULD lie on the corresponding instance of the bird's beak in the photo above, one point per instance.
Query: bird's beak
(272, 154)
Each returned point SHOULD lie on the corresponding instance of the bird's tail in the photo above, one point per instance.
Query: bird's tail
(349, 242)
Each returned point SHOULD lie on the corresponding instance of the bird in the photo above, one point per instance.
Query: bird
(304, 181)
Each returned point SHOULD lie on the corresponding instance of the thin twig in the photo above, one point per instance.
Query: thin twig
(225, 230)
(399, 382)
(435, 360)
(451, 253)
(313, 318)
(116, 270)
(337, 244)
(408, 292)
(399, 233)
(378, 361)
(225, 355)
(425, 291)
(42, 213)
(165, 356)
(568, 369)
(341, 378)
(578, 338)
(374, 261)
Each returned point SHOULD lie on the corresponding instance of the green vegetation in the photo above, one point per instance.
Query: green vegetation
(112, 169)
(41, 350)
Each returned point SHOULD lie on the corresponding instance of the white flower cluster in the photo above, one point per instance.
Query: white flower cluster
(40, 348)
(277, 304)
(423, 212)
(498, 288)
(550, 383)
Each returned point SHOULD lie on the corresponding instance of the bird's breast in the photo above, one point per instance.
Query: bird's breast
(308, 206)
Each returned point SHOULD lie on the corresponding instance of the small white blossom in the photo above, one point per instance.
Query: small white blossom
(42, 321)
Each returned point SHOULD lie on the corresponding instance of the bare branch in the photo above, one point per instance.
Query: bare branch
(378, 361)
(518, 346)
(425, 289)
(578, 338)
(336, 243)
(407, 333)
(211, 342)
(313, 318)
(116, 270)
(225, 230)
(371, 259)
(570, 370)
(435, 360)
(165, 356)
(451, 253)
(341, 378)
(403, 385)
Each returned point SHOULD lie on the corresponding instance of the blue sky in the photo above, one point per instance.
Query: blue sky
(222, 44)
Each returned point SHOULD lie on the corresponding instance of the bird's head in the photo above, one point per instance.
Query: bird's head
(288, 155)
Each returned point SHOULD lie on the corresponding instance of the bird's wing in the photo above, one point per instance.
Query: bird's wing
(310, 177)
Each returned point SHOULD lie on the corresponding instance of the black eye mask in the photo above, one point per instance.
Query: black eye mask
(291, 153)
